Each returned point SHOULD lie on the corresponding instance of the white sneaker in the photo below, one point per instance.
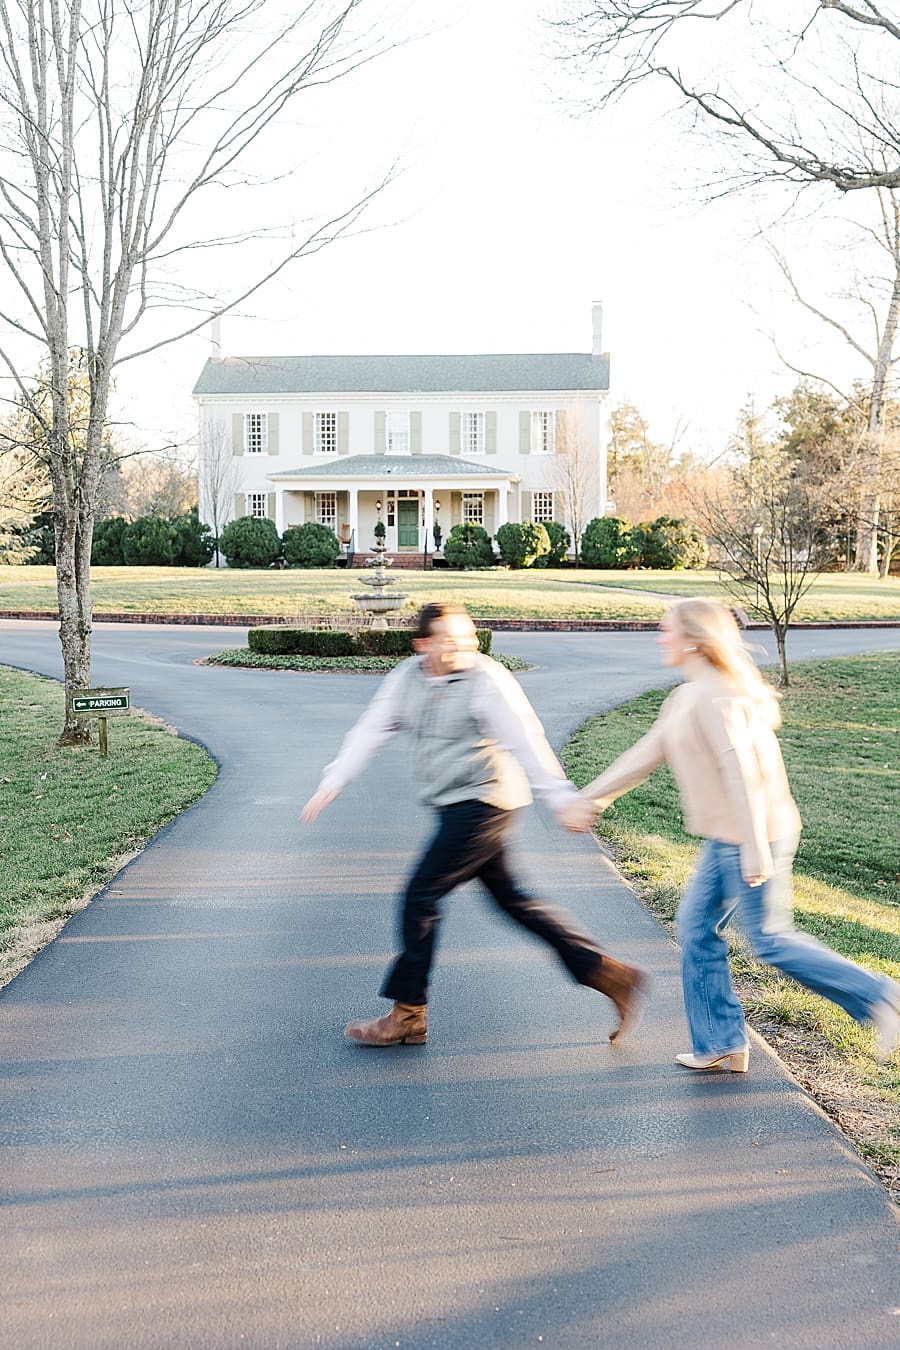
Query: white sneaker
(886, 1021)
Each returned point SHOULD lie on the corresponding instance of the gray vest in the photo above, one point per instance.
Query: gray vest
(453, 759)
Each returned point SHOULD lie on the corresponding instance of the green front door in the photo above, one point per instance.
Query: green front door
(408, 523)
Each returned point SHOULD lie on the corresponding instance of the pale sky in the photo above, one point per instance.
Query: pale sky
(509, 218)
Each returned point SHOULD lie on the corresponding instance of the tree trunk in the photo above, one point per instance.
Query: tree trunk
(74, 600)
(780, 630)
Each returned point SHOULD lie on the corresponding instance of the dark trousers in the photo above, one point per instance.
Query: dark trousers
(470, 842)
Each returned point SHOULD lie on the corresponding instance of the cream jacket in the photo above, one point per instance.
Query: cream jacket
(722, 750)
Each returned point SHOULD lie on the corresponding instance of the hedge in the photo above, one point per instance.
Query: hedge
(330, 642)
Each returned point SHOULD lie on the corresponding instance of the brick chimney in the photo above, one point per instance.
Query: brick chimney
(597, 322)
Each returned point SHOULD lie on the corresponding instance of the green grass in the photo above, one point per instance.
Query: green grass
(841, 743)
(569, 593)
(68, 816)
(360, 665)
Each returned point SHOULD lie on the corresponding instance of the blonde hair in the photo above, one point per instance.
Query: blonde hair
(711, 627)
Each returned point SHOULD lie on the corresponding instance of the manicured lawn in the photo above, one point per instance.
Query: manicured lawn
(68, 817)
(569, 593)
(841, 743)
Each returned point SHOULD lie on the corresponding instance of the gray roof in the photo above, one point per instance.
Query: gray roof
(395, 466)
(259, 375)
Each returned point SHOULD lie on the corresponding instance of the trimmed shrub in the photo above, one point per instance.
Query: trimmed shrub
(249, 542)
(522, 545)
(328, 642)
(610, 541)
(310, 545)
(149, 541)
(669, 542)
(106, 546)
(560, 541)
(300, 642)
(468, 547)
(194, 545)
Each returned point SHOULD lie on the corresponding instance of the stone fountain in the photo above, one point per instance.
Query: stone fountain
(378, 602)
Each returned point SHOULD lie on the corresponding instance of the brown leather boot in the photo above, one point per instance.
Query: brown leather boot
(404, 1025)
(623, 985)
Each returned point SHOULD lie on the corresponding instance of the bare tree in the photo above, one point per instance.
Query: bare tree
(770, 527)
(879, 299)
(803, 93)
(575, 477)
(218, 479)
(118, 119)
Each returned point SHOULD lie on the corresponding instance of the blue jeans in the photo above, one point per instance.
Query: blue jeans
(714, 892)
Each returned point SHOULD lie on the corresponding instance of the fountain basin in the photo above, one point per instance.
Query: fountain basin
(379, 605)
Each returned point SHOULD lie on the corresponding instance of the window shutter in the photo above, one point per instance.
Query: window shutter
(272, 433)
(380, 432)
(489, 513)
(237, 433)
(524, 433)
(309, 444)
(309, 505)
(455, 442)
(343, 433)
(526, 507)
(415, 433)
(490, 433)
(240, 505)
(559, 433)
(270, 505)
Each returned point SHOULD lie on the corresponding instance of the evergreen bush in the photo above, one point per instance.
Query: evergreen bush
(522, 545)
(610, 541)
(560, 541)
(250, 542)
(310, 545)
(149, 541)
(670, 542)
(106, 547)
(194, 543)
(468, 547)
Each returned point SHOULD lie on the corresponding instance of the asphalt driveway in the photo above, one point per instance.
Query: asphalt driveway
(193, 1156)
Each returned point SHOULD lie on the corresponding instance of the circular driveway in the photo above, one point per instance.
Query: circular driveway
(193, 1156)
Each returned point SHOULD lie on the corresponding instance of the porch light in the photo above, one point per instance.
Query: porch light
(437, 505)
(378, 505)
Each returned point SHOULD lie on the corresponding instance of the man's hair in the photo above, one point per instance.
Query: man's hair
(429, 614)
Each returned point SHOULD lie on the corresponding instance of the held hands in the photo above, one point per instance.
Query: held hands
(578, 815)
(316, 804)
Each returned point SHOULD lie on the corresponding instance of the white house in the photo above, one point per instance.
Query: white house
(412, 440)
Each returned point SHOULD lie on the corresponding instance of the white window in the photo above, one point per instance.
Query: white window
(326, 433)
(256, 433)
(256, 505)
(541, 507)
(473, 508)
(397, 433)
(326, 509)
(471, 426)
(543, 433)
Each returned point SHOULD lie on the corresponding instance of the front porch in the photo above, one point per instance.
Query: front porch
(416, 515)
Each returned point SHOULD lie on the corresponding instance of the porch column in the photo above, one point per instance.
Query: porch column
(429, 520)
(353, 516)
(279, 511)
(502, 506)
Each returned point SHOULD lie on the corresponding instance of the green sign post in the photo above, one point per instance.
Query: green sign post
(101, 703)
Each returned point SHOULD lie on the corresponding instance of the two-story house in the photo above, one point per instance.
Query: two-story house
(411, 440)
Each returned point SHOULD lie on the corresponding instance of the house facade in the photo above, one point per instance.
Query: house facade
(415, 441)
